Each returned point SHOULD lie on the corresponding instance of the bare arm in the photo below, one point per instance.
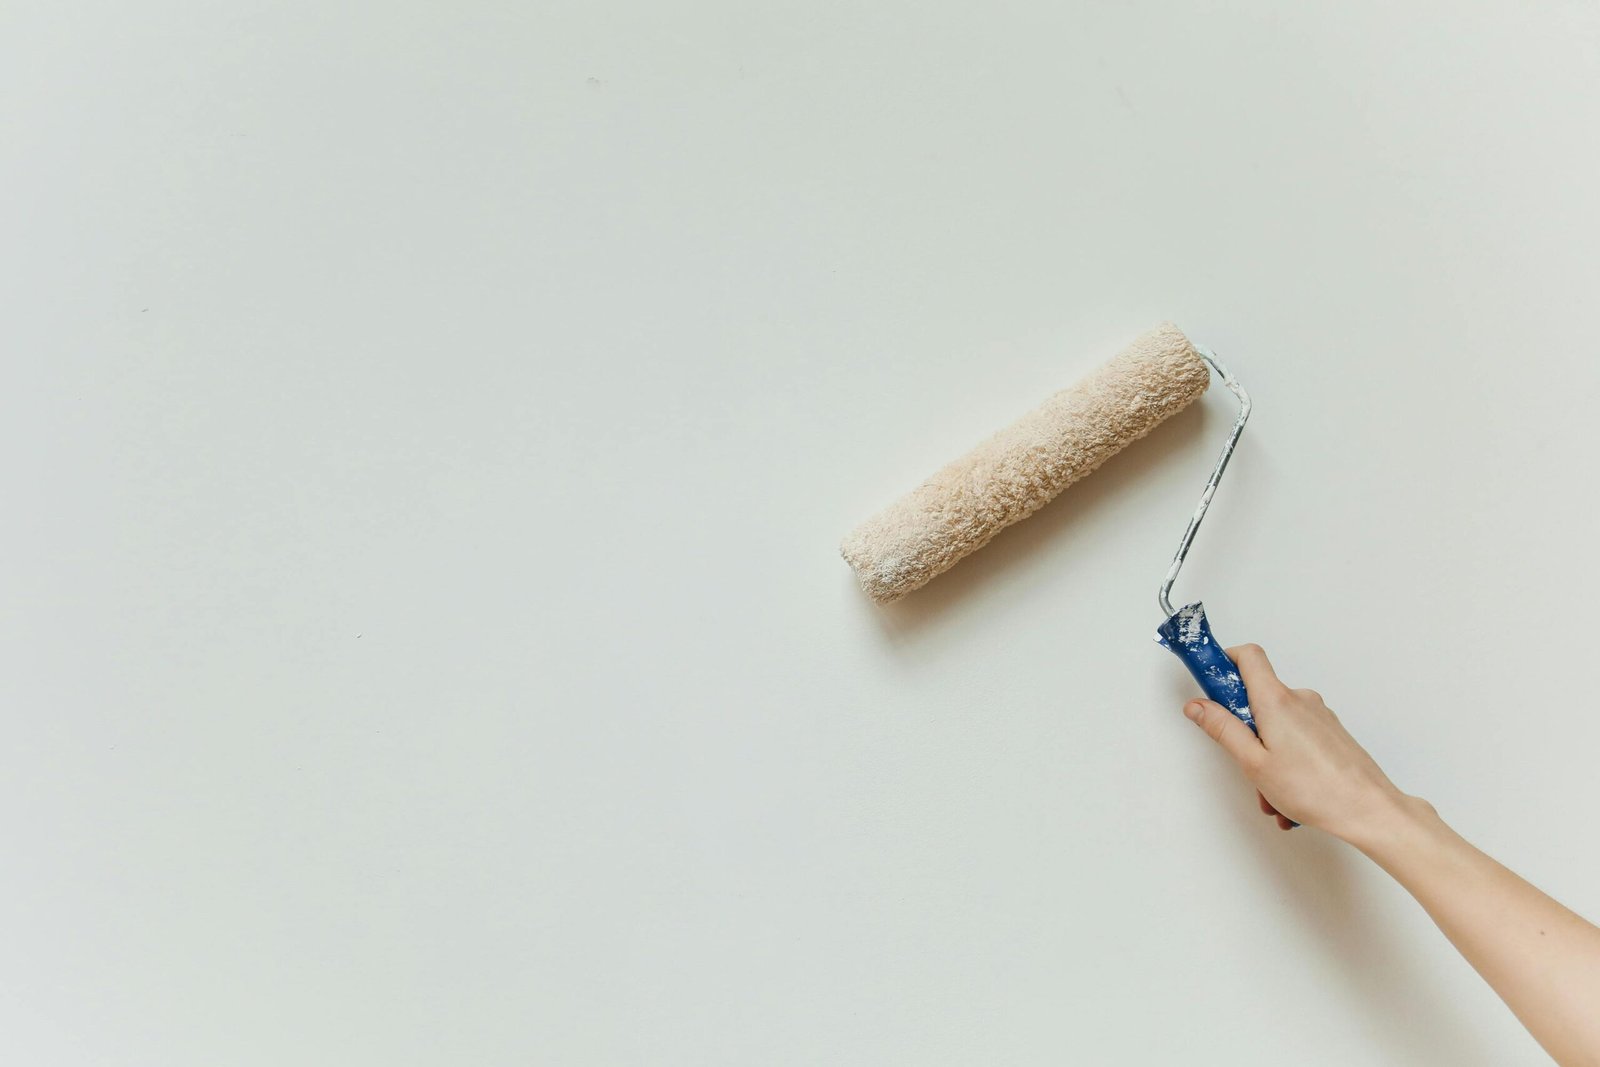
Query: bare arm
(1542, 959)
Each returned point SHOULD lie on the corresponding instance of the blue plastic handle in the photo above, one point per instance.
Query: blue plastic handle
(1187, 635)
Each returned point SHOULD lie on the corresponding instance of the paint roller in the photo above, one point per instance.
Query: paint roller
(1023, 467)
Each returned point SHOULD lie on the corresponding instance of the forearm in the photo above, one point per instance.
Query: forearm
(1542, 959)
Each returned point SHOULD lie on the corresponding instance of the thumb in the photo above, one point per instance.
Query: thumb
(1220, 725)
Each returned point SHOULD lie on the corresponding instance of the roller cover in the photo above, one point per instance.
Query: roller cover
(1023, 467)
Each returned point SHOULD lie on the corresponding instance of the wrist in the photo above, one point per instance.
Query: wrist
(1394, 823)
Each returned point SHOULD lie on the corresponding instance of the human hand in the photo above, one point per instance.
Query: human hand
(1305, 766)
(1540, 957)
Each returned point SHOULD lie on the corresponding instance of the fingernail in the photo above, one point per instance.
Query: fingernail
(1192, 710)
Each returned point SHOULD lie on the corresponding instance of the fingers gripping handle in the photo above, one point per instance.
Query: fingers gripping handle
(1187, 635)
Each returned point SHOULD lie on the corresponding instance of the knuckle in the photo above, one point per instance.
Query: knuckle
(1273, 697)
(1309, 694)
(1252, 650)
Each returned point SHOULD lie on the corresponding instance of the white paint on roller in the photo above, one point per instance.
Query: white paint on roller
(1189, 623)
(1024, 466)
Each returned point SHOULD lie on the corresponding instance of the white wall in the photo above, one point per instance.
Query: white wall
(427, 429)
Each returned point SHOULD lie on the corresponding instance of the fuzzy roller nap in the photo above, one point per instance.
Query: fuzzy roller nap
(1024, 466)
(1021, 468)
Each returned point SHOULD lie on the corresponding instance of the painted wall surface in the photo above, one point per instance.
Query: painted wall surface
(427, 430)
